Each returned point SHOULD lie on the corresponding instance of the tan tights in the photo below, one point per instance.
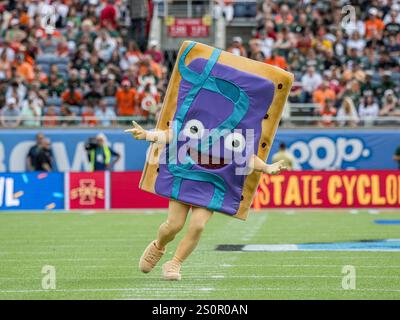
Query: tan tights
(177, 214)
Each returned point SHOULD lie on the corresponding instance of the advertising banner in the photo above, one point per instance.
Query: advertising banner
(119, 190)
(312, 149)
(188, 27)
(69, 149)
(125, 193)
(87, 190)
(329, 189)
(31, 191)
(336, 149)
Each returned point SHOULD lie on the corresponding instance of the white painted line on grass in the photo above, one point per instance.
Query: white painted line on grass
(217, 277)
(252, 229)
(180, 290)
(270, 247)
(200, 266)
(198, 276)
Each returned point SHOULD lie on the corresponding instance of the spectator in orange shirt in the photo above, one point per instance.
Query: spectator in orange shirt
(25, 69)
(72, 96)
(89, 117)
(373, 24)
(276, 60)
(284, 18)
(323, 93)
(237, 47)
(327, 114)
(126, 99)
(133, 53)
(148, 65)
(24, 19)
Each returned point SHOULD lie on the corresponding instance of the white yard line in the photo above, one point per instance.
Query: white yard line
(252, 229)
(107, 290)
(67, 259)
(180, 290)
(191, 277)
(38, 242)
(296, 266)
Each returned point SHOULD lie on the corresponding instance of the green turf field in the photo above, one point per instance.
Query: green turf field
(96, 257)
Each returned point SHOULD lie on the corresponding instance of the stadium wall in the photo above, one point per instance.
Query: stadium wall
(119, 190)
(316, 149)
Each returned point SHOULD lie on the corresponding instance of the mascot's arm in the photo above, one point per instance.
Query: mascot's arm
(139, 133)
(258, 164)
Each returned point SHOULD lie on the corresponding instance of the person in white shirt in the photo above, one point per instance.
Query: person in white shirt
(267, 43)
(368, 110)
(347, 115)
(105, 45)
(393, 15)
(9, 53)
(105, 116)
(31, 110)
(223, 8)
(356, 42)
(16, 89)
(10, 114)
(310, 81)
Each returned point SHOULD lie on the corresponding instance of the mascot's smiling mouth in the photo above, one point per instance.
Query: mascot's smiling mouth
(206, 161)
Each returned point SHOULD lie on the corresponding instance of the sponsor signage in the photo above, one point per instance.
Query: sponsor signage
(31, 191)
(312, 149)
(87, 190)
(188, 28)
(119, 190)
(329, 189)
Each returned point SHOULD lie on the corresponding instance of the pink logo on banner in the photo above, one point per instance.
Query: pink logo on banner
(87, 190)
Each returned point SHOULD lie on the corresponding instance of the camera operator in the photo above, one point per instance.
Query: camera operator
(44, 158)
(100, 154)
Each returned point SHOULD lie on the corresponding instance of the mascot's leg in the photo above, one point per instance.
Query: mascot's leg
(198, 221)
(177, 213)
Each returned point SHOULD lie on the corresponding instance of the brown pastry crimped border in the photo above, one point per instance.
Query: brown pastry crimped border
(282, 80)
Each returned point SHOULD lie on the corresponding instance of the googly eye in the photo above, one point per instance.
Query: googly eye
(235, 142)
(194, 129)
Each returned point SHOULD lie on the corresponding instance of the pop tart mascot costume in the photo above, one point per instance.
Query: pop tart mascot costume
(209, 148)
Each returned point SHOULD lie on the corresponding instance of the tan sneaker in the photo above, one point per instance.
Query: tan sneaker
(150, 257)
(171, 270)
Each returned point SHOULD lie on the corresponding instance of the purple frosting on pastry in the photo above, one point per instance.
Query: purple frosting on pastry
(211, 109)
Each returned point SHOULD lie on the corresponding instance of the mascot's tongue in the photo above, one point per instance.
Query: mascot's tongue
(206, 161)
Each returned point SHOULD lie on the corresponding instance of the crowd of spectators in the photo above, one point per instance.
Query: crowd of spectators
(345, 55)
(89, 61)
(77, 61)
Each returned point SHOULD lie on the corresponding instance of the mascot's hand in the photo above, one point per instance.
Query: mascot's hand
(137, 131)
(276, 167)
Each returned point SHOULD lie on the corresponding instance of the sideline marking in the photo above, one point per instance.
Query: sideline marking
(372, 245)
(180, 290)
(387, 221)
